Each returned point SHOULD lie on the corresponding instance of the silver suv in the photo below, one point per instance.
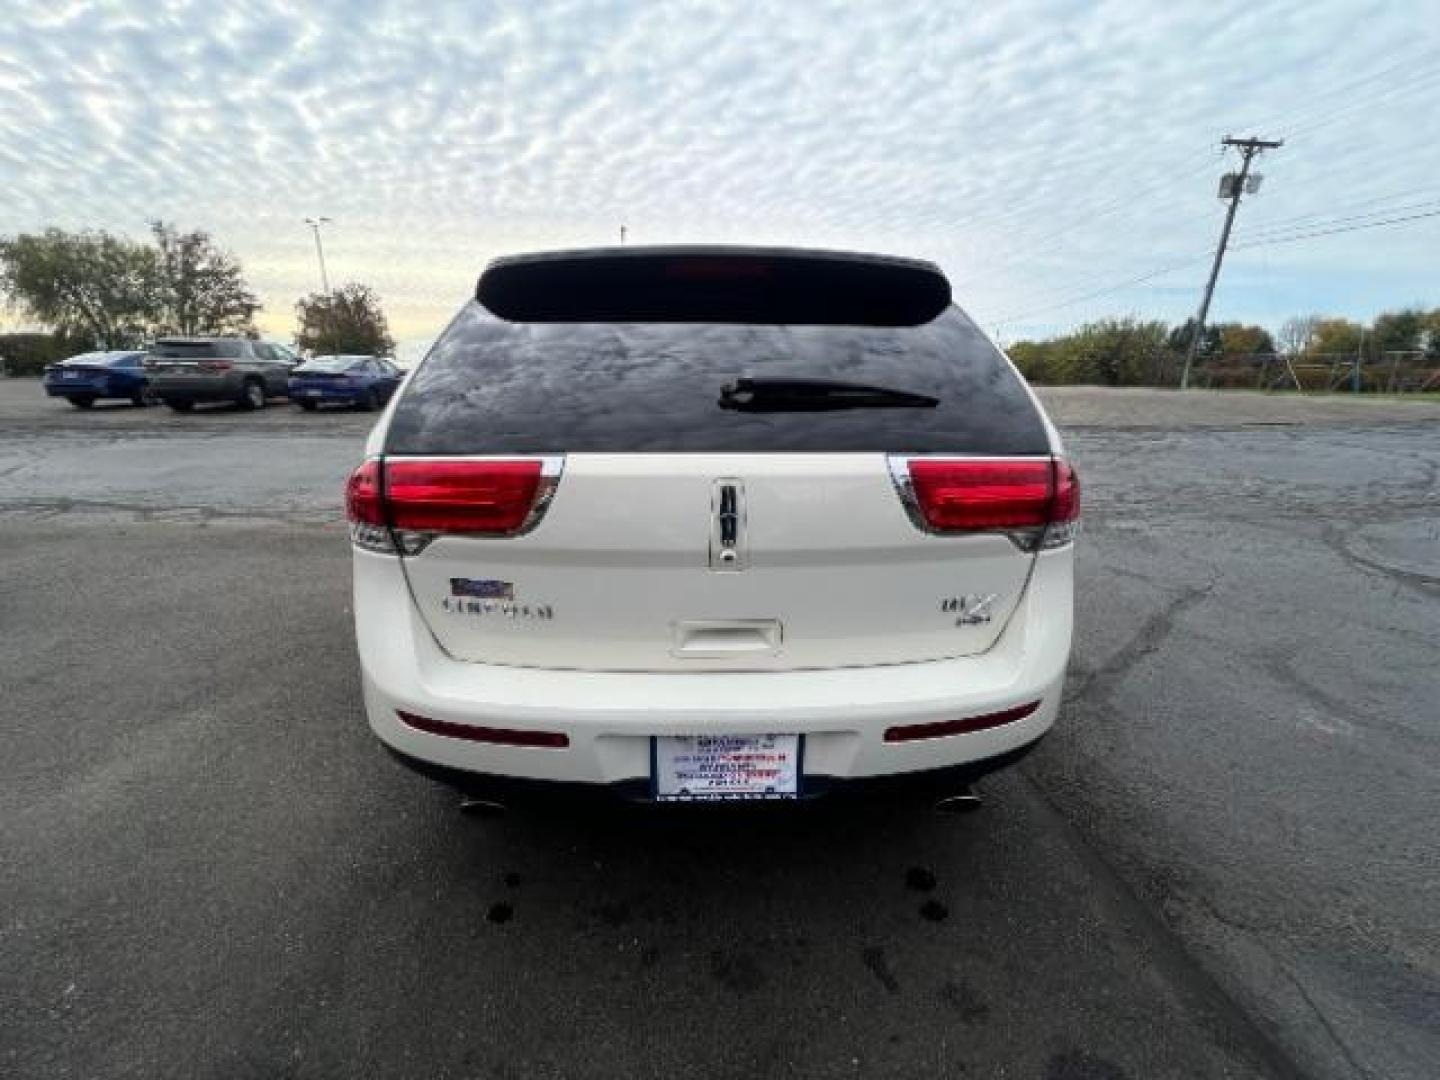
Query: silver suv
(184, 370)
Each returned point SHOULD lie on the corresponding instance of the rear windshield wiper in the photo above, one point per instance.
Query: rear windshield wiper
(815, 395)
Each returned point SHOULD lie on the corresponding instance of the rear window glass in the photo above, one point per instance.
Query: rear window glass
(327, 364)
(197, 349)
(496, 387)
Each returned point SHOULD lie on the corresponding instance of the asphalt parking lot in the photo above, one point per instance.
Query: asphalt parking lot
(1223, 862)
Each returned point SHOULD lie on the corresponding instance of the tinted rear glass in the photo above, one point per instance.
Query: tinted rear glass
(197, 350)
(329, 364)
(496, 387)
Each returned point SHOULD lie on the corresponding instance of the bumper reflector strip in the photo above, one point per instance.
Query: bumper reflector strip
(941, 728)
(547, 740)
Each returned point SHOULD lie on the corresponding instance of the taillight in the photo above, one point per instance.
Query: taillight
(1036, 501)
(402, 504)
(363, 502)
(1067, 493)
(486, 497)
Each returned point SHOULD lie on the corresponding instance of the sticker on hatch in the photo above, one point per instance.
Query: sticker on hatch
(702, 768)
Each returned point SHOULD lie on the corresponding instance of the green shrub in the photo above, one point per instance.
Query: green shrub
(27, 354)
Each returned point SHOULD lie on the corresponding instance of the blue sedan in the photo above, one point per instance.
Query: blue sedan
(362, 381)
(87, 378)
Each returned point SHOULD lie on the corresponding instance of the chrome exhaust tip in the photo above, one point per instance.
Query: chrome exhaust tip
(964, 802)
(482, 808)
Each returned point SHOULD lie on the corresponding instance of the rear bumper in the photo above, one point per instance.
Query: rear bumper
(521, 791)
(325, 395)
(189, 388)
(87, 390)
(609, 717)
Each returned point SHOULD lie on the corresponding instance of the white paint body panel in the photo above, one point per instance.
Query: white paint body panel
(836, 575)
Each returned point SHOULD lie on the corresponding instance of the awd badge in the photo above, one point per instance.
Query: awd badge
(972, 609)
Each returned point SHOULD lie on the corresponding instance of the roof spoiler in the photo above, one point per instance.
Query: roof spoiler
(713, 284)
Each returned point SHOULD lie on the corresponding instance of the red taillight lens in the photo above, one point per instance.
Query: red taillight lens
(942, 728)
(493, 497)
(961, 495)
(1066, 507)
(966, 494)
(364, 502)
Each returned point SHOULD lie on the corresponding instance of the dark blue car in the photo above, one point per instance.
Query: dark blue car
(365, 382)
(87, 378)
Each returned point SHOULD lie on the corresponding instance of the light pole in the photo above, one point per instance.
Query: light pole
(315, 224)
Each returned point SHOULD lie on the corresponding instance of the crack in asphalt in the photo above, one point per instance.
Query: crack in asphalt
(148, 512)
(1340, 1044)
(1337, 540)
(1171, 954)
(1100, 682)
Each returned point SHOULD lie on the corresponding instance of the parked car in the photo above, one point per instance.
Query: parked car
(85, 379)
(695, 524)
(186, 370)
(365, 382)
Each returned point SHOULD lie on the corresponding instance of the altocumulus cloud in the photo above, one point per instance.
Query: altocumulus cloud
(1037, 150)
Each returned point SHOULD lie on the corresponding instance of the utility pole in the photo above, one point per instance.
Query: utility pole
(1249, 148)
(315, 224)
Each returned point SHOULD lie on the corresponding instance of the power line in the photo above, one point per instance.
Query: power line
(1422, 78)
(1120, 203)
(1172, 267)
(1278, 232)
(1290, 222)
(1105, 290)
(1348, 228)
(1317, 104)
(1107, 206)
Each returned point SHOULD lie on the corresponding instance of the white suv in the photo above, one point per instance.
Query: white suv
(709, 524)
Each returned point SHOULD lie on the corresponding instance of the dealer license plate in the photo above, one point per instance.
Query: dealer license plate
(710, 768)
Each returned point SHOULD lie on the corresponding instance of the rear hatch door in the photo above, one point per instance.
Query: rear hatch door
(724, 493)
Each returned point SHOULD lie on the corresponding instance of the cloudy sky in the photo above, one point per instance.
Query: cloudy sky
(1057, 157)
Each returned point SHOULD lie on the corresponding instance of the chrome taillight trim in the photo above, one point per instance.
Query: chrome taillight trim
(1038, 538)
(551, 468)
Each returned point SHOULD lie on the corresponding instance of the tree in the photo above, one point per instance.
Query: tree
(1240, 339)
(29, 353)
(1297, 334)
(1111, 352)
(1179, 340)
(1400, 331)
(346, 321)
(201, 288)
(1337, 336)
(87, 284)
